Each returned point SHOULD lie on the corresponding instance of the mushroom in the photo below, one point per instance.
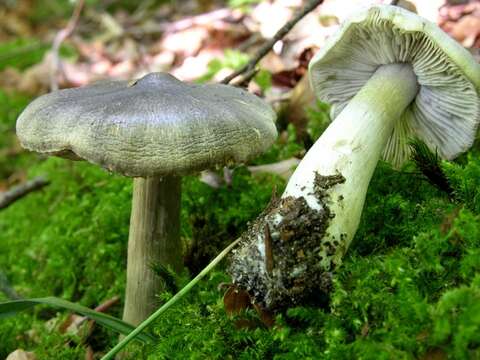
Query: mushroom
(391, 76)
(155, 129)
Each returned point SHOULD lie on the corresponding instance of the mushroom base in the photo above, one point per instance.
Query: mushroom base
(285, 258)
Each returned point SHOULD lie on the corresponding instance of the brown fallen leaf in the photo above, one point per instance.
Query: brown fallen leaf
(194, 37)
(72, 325)
(266, 316)
(236, 300)
(289, 78)
(466, 30)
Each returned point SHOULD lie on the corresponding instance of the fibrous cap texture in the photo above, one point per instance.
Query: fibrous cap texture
(156, 125)
(446, 110)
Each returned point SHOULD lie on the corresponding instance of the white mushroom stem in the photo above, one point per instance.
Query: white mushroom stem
(352, 145)
(154, 239)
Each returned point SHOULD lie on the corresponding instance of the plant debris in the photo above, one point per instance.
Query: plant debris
(284, 259)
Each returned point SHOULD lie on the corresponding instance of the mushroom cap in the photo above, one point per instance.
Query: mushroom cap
(154, 126)
(446, 110)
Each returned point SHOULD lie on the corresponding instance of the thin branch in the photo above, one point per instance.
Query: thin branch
(244, 80)
(17, 192)
(59, 39)
(103, 307)
(265, 49)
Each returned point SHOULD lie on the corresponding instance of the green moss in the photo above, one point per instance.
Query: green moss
(409, 286)
(69, 240)
(10, 107)
(213, 218)
(21, 53)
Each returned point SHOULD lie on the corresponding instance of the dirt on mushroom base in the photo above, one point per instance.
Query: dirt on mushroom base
(286, 257)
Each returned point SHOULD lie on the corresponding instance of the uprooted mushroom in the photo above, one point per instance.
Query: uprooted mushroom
(390, 76)
(155, 129)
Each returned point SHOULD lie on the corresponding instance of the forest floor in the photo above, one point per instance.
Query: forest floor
(409, 287)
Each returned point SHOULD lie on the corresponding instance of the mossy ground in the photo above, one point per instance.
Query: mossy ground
(409, 287)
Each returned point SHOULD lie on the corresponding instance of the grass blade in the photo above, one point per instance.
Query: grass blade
(10, 308)
(137, 332)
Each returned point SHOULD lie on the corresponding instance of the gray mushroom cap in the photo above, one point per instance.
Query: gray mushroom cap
(156, 125)
(446, 110)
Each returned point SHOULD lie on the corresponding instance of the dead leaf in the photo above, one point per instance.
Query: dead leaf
(236, 300)
(466, 30)
(187, 42)
(17, 177)
(284, 168)
(290, 77)
(72, 325)
(20, 354)
(267, 317)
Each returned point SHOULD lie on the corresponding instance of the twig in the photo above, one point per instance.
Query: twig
(394, 2)
(244, 80)
(265, 49)
(101, 308)
(57, 42)
(19, 191)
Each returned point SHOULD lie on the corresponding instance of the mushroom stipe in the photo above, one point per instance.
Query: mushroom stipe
(390, 76)
(154, 129)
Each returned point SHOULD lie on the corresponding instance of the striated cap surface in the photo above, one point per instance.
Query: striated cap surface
(446, 110)
(156, 125)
